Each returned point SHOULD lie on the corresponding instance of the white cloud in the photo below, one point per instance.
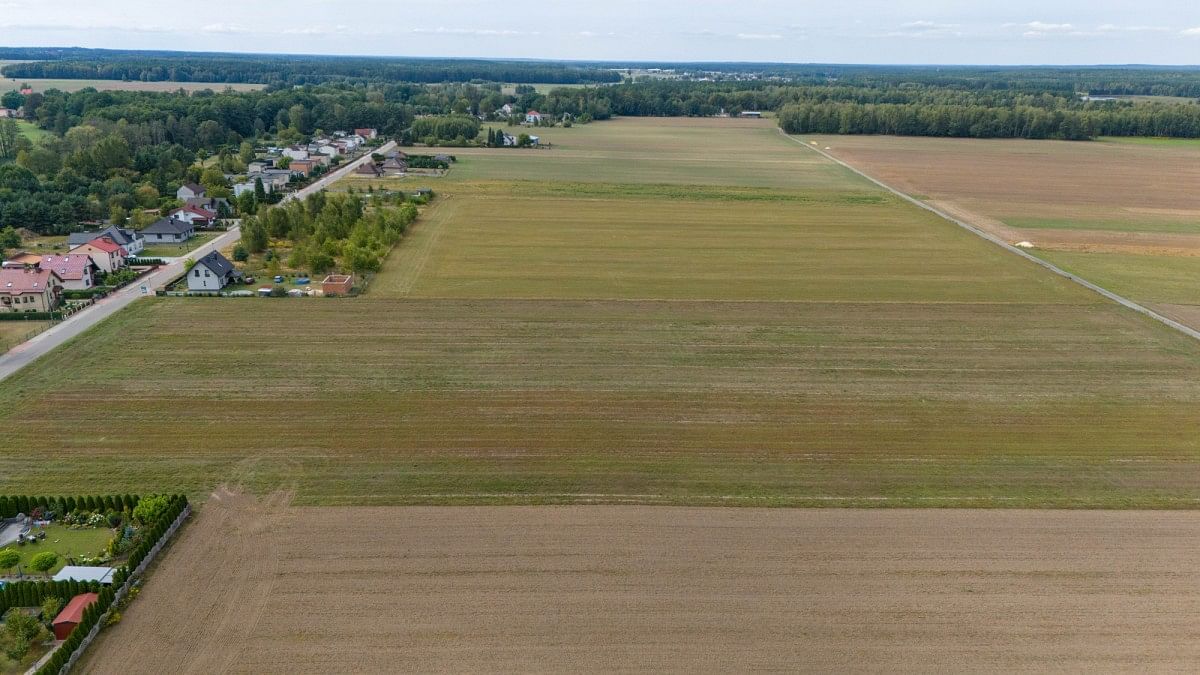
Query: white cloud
(1191, 32)
(479, 32)
(759, 36)
(926, 29)
(230, 28)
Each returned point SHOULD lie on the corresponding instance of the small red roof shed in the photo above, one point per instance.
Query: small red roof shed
(72, 614)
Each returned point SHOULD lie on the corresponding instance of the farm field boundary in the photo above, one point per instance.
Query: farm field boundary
(1119, 299)
(618, 588)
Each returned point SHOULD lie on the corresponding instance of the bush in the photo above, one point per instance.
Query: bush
(150, 508)
(240, 254)
(43, 561)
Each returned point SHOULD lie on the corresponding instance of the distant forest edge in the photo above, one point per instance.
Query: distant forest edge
(285, 70)
(388, 93)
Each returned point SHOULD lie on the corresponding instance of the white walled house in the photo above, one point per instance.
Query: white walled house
(189, 191)
(212, 273)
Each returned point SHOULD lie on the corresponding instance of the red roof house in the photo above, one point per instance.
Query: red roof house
(28, 289)
(72, 615)
(194, 215)
(75, 269)
(366, 133)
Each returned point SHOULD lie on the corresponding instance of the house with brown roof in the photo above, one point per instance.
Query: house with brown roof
(368, 169)
(189, 190)
(194, 215)
(76, 270)
(367, 133)
(28, 289)
(72, 615)
(395, 165)
(23, 259)
(106, 253)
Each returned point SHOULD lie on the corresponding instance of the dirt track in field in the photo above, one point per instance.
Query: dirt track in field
(269, 588)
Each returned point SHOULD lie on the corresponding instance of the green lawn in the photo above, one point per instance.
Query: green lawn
(176, 250)
(66, 542)
(32, 131)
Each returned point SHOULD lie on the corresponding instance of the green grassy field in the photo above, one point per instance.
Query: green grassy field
(1126, 225)
(32, 131)
(588, 324)
(1146, 278)
(433, 401)
(66, 542)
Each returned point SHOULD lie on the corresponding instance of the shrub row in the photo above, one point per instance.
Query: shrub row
(85, 294)
(32, 593)
(30, 316)
(142, 262)
(11, 505)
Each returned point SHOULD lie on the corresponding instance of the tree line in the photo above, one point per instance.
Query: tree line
(287, 71)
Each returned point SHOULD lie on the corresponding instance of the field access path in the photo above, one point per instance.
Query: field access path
(43, 343)
(1119, 299)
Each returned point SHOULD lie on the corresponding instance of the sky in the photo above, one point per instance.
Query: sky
(799, 31)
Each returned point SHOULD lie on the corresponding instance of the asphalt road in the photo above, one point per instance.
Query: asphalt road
(41, 344)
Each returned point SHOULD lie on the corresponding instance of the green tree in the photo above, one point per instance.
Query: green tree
(149, 508)
(43, 562)
(51, 606)
(240, 254)
(9, 134)
(9, 558)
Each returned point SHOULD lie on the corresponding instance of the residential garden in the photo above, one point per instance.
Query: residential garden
(43, 534)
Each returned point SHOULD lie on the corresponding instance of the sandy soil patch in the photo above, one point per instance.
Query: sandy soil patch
(265, 588)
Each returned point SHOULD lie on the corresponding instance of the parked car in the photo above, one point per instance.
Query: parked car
(248, 280)
(279, 278)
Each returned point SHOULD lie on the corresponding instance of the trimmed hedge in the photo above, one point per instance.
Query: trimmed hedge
(30, 316)
(142, 262)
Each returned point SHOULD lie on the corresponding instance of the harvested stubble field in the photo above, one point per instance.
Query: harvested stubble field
(1122, 213)
(590, 341)
(254, 588)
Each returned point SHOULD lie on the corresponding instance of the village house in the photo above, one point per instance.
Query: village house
(23, 259)
(212, 273)
(193, 215)
(107, 255)
(210, 204)
(533, 117)
(131, 241)
(76, 271)
(188, 191)
(260, 164)
(28, 289)
(368, 169)
(368, 134)
(506, 109)
(395, 165)
(296, 152)
(169, 231)
(302, 166)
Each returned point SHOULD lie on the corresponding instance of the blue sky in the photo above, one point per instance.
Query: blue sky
(850, 31)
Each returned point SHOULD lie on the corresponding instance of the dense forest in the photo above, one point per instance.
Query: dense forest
(287, 70)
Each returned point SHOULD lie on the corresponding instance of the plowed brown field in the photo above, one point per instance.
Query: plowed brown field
(266, 588)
